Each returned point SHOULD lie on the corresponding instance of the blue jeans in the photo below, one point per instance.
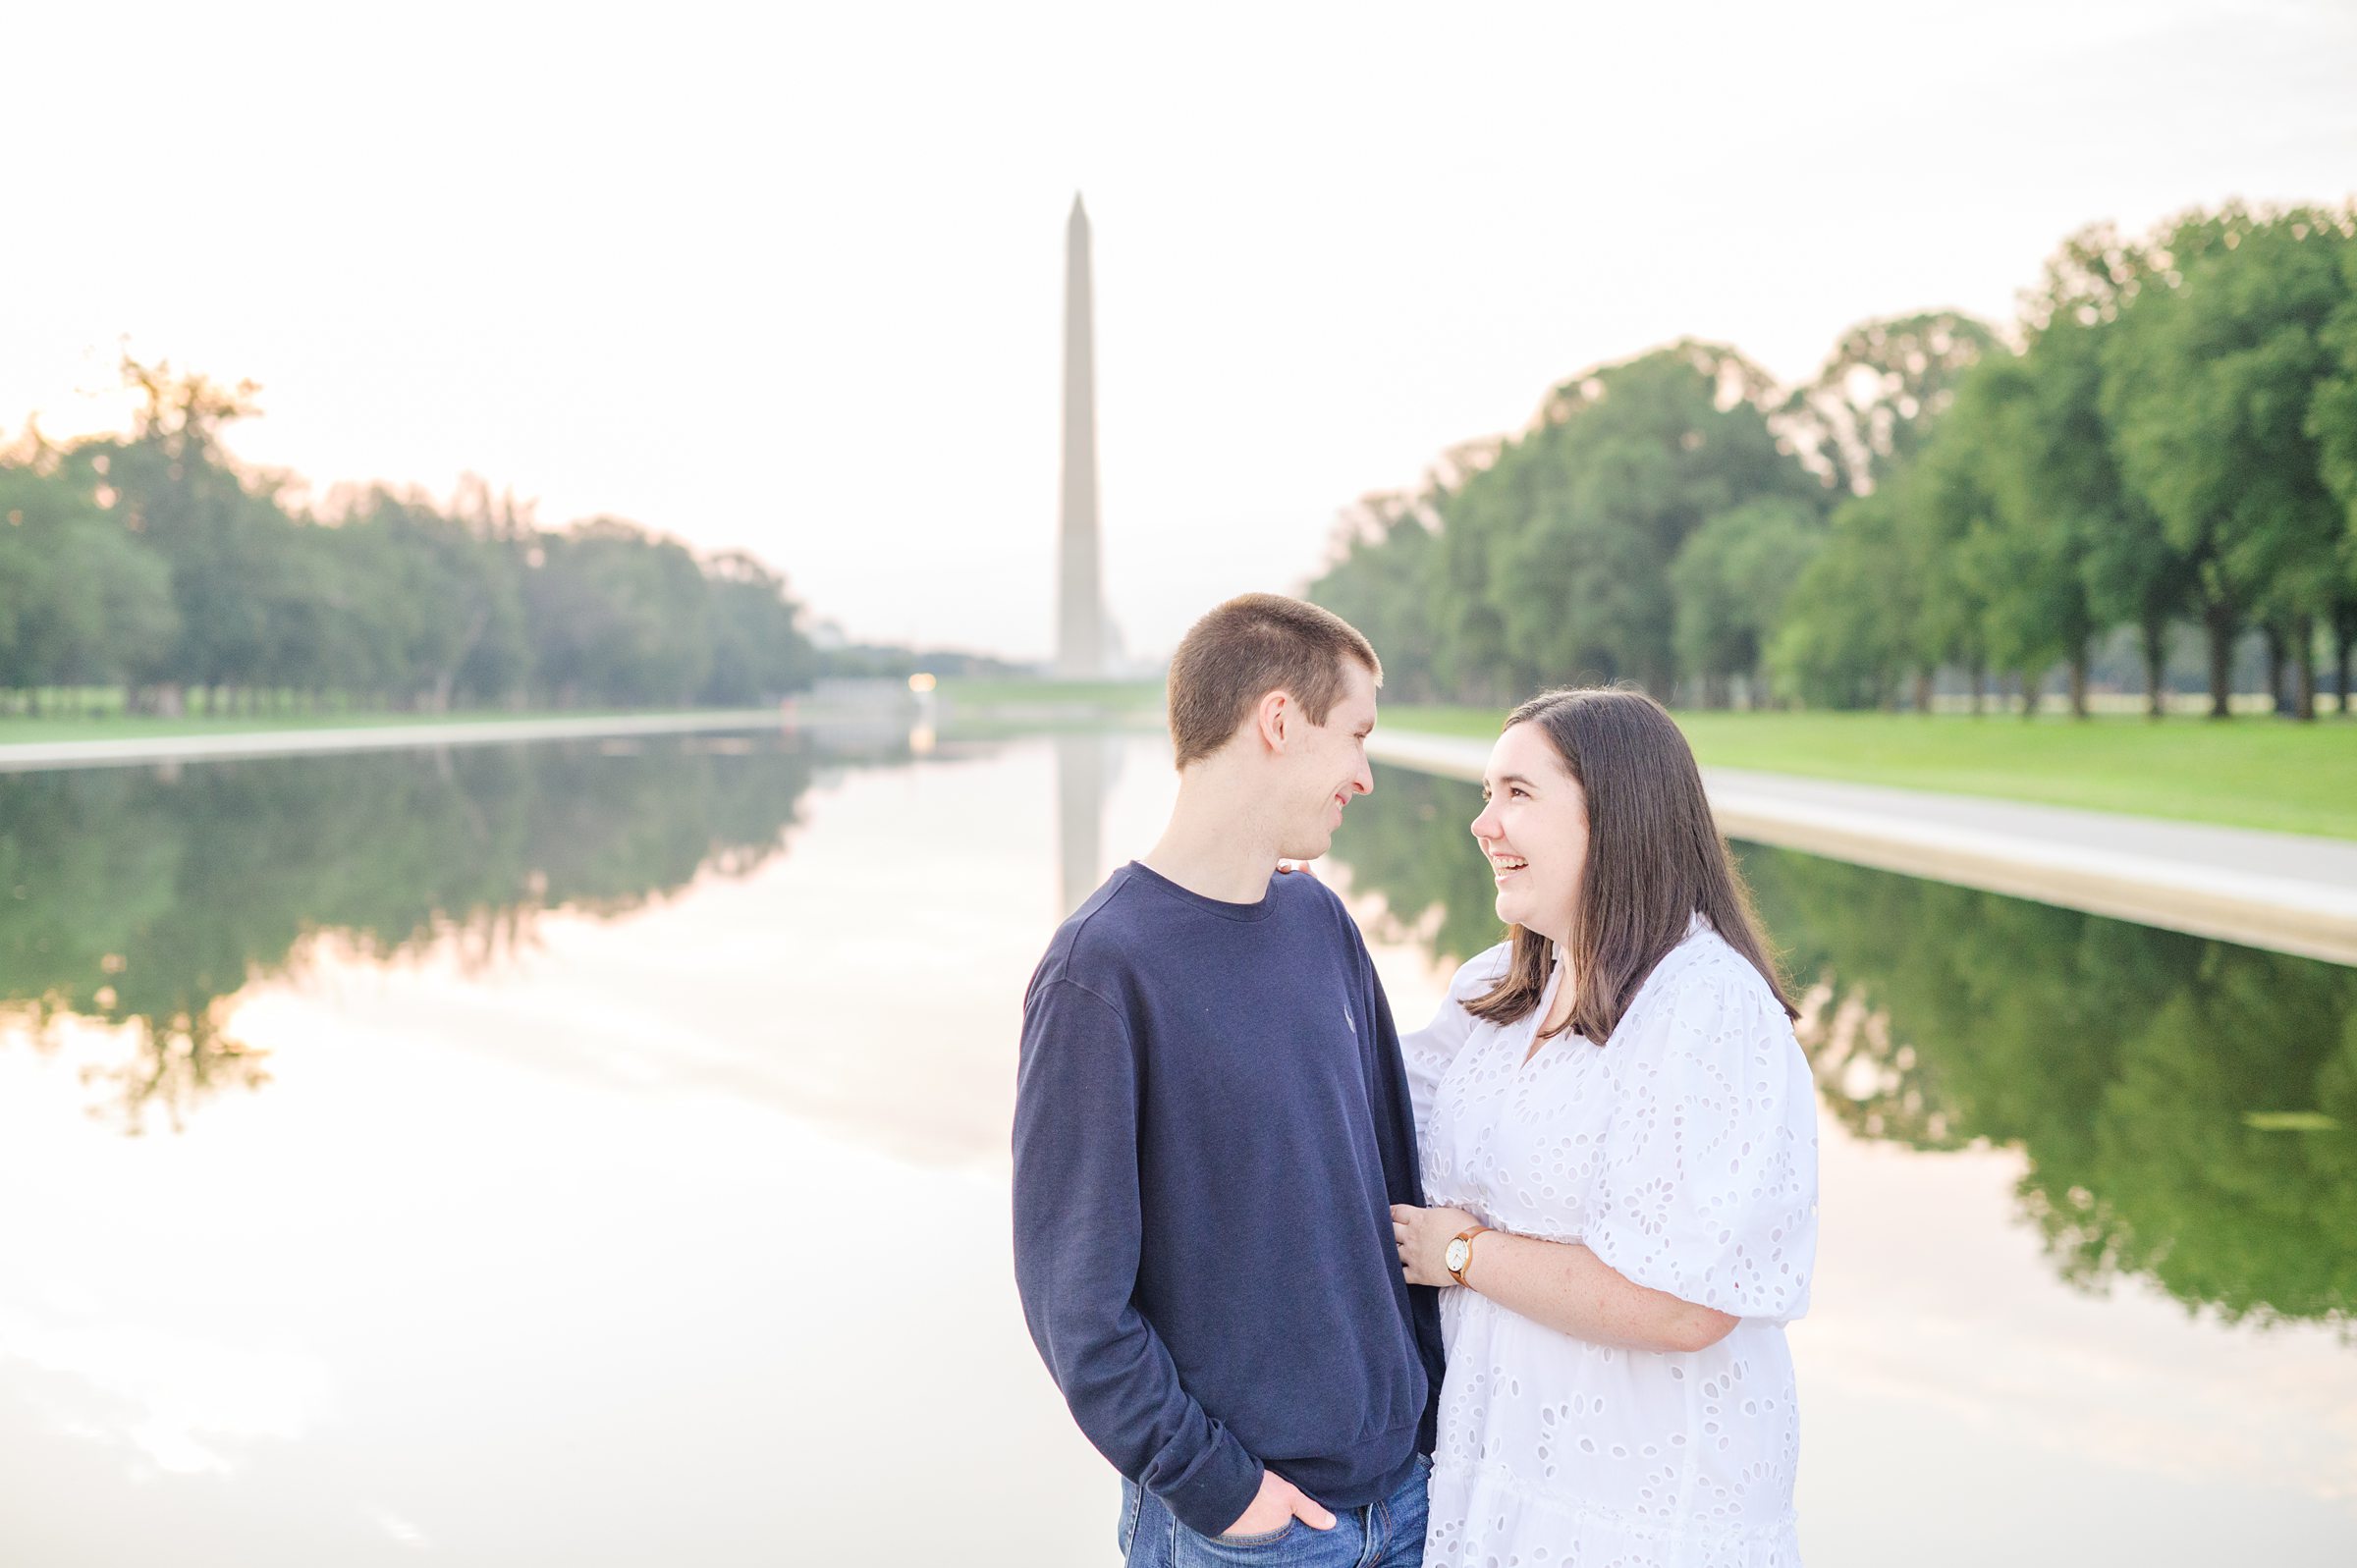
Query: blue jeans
(1382, 1535)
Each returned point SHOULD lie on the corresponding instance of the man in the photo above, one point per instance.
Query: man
(1212, 1123)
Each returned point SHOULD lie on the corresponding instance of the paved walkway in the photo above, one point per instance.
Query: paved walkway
(38, 755)
(2268, 889)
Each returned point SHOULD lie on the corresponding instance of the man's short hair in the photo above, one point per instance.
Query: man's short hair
(1248, 647)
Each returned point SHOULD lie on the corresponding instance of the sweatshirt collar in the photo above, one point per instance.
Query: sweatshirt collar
(1260, 910)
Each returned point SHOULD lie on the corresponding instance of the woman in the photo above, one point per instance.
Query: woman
(1619, 1146)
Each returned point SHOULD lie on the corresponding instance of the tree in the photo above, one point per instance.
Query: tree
(153, 557)
(1472, 659)
(2024, 547)
(1880, 393)
(222, 534)
(1625, 466)
(443, 591)
(1847, 635)
(618, 616)
(2132, 573)
(1863, 422)
(758, 650)
(1731, 584)
(2207, 391)
(81, 601)
(1379, 579)
(2333, 425)
(1943, 504)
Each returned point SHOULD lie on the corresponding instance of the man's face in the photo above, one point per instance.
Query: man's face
(1326, 765)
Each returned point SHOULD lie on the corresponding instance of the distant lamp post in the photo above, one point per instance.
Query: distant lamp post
(928, 712)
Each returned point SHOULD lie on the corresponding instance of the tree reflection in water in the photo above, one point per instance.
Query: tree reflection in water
(143, 899)
(2145, 1076)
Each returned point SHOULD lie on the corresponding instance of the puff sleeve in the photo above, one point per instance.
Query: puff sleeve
(1708, 1176)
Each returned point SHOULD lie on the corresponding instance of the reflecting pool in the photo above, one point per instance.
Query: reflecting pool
(597, 1154)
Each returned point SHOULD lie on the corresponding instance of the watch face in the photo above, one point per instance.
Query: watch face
(1458, 1251)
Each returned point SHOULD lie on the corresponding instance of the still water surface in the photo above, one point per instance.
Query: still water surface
(597, 1154)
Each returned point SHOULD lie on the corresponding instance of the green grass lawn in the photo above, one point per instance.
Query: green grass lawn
(2244, 772)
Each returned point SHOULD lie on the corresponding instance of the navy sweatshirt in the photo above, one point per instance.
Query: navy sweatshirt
(1210, 1125)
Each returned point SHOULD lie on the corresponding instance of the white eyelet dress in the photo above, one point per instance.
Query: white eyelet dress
(1682, 1153)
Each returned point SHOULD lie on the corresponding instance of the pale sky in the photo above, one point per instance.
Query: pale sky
(788, 279)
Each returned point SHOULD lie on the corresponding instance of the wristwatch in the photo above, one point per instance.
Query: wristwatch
(1458, 1256)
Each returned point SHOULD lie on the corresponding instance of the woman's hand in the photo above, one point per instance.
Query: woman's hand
(1423, 1235)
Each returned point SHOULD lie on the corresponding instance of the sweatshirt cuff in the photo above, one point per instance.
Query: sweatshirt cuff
(1216, 1493)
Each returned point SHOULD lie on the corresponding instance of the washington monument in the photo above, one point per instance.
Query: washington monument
(1081, 641)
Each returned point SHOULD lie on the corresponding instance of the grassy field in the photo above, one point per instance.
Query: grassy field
(2244, 772)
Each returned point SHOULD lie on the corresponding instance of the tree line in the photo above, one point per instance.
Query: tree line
(2165, 437)
(153, 561)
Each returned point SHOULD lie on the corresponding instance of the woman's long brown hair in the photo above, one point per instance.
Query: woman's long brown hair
(1655, 859)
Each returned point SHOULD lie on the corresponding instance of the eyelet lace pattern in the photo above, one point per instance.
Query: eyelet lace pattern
(1683, 1153)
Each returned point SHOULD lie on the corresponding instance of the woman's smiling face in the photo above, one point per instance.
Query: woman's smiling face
(1534, 830)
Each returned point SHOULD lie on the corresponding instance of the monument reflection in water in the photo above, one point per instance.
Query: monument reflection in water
(706, 1071)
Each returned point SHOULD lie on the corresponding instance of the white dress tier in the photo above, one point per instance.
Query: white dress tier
(1682, 1153)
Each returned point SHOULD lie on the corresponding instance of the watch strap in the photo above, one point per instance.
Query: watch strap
(1466, 1236)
